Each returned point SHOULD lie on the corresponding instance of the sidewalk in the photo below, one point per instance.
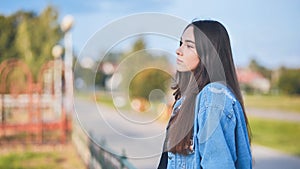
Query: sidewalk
(266, 158)
(273, 114)
(143, 141)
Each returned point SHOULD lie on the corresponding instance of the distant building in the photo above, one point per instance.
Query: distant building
(254, 80)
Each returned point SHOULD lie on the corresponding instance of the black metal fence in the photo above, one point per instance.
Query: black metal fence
(97, 156)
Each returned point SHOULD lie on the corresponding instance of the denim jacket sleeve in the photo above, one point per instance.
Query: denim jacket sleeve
(216, 129)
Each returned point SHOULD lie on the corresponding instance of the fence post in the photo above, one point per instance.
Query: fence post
(3, 134)
(91, 149)
(123, 157)
(63, 126)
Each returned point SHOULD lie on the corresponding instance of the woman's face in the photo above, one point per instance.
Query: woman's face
(187, 57)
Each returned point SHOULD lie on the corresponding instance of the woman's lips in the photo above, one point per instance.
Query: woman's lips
(178, 60)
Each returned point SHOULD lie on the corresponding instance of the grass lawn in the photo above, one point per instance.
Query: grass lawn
(101, 97)
(39, 157)
(105, 98)
(280, 135)
(282, 102)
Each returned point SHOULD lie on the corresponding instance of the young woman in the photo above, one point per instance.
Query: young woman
(208, 128)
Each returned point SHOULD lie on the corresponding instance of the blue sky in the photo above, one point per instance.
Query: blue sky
(265, 30)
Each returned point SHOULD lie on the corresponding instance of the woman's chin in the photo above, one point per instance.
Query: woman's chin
(182, 69)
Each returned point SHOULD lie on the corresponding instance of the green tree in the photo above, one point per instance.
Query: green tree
(148, 80)
(100, 77)
(289, 81)
(30, 37)
(35, 37)
(255, 66)
(143, 71)
(140, 44)
(7, 38)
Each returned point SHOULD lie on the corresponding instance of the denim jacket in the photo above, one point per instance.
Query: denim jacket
(220, 139)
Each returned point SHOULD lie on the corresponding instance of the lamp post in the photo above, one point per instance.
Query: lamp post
(57, 51)
(66, 26)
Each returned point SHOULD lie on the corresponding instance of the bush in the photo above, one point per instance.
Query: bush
(148, 80)
(289, 81)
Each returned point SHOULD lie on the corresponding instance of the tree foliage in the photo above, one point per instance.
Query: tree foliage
(147, 78)
(147, 81)
(7, 37)
(139, 69)
(289, 81)
(255, 66)
(30, 37)
(284, 80)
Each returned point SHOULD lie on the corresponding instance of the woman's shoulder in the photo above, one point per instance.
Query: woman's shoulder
(216, 94)
(218, 89)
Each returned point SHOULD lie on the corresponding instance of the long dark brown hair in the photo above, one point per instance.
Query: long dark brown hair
(216, 65)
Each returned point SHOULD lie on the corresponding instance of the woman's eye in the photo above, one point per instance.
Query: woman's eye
(190, 46)
(180, 43)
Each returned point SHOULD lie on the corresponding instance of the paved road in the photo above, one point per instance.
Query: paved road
(142, 137)
(266, 158)
(274, 114)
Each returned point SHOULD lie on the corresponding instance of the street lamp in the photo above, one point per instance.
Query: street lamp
(67, 23)
(66, 26)
(57, 51)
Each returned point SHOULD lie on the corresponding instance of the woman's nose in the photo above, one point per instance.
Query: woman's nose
(178, 52)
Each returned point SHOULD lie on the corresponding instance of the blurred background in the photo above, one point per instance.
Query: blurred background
(41, 42)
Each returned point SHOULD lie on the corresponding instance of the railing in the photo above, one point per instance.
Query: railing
(31, 118)
(32, 110)
(95, 156)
